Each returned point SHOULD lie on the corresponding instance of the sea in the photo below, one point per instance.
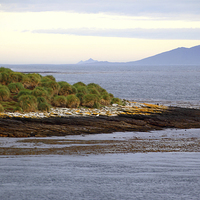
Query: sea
(112, 176)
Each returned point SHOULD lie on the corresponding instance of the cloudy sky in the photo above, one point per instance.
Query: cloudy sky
(67, 31)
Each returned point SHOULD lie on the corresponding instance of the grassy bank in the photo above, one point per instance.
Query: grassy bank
(20, 92)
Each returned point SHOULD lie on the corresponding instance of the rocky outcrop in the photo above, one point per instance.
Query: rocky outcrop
(128, 120)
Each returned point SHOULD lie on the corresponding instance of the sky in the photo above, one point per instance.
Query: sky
(67, 31)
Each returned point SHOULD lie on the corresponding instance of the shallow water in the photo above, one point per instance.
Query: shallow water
(117, 136)
(117, 176)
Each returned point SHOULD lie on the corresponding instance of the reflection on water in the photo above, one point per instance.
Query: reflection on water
(116, 176)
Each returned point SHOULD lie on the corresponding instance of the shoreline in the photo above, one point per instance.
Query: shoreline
(137, 117)
(114, 110)
(169, 140)
(38, 132)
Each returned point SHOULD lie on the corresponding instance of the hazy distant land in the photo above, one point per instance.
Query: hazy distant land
(178, 56)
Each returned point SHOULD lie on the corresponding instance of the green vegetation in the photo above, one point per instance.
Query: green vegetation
(18, 109)
(44, 106)
(24, 92)
(66, 89)
(50, 77)
(1, 108)
(72, 101)
(30, 81)
(117, 101)
(53, 85)
(90, 100)
(82, 89)
(16, 77)
(105, 100)
(41, 100)
(79, 84)
(15, 87)
(41, 92)
(59, 101)
(4, 93)
(9, 106)
(28, 103)
(5, 78)
(20, 92)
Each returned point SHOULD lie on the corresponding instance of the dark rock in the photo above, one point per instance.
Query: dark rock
(174, 117)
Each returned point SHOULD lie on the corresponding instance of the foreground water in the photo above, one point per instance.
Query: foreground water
(117, 176)
(111, 176)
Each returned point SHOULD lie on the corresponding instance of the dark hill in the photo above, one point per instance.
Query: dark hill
(179, 56)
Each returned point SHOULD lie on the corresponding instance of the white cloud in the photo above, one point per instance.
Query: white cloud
(66, 31)
(166, 8)
(172, 34)
(66, 20)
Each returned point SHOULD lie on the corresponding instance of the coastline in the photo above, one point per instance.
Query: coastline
(144, 118)
(134, 117)
(114, 110)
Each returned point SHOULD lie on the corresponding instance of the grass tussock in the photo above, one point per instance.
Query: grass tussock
(4, 93)
(18, 109)
(53, 85)
(105, 100)
(16, 77)
(66, 89)
(28, 103)
(44, 106)
(116, 101)
(1, 108)
(91, 101)
(15, 87)
(41, 92)
(30, 81)
(83, 90)
(72, 101)
(79, 84)
(9, 106)
(21, 92)
(59, 101)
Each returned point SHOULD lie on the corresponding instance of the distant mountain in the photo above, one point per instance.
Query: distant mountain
(179, 56)
(91, 61)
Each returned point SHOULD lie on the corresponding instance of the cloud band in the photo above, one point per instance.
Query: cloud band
(181, 33)
(164, 8)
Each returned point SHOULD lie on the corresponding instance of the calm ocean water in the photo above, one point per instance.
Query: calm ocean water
(118, 176)
(168, 84)
(152, 176)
